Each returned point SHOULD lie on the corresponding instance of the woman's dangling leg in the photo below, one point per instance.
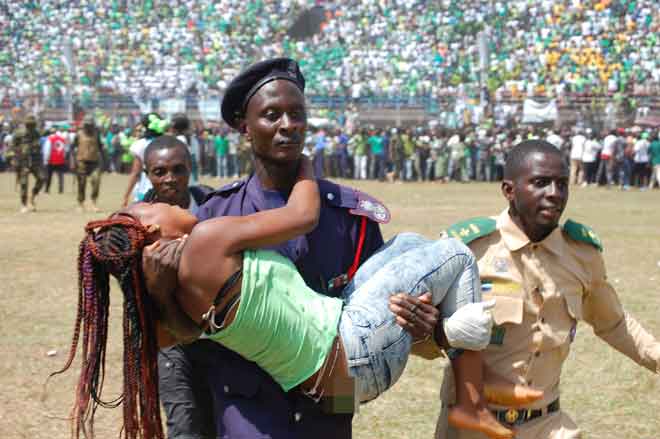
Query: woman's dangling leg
(377, 348)
(471, 411)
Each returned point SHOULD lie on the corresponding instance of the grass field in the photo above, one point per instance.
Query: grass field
(607, 394)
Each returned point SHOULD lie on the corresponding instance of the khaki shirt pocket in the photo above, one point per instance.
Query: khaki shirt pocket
(507, 309)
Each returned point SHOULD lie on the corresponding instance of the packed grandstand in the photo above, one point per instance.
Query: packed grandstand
(348, 48)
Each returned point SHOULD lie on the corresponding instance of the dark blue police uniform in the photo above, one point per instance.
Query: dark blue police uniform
(247, 402)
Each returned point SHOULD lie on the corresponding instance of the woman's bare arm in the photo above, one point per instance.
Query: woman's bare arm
(211, 254)
(267, 228)
(213, 250)
(174, 325)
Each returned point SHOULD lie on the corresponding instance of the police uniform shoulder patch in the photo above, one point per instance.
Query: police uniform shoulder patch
(357, 202)
(580, 232)
(371, 208)
(469, 230)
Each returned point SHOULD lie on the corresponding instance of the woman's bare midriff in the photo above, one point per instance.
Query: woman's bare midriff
(335, 379)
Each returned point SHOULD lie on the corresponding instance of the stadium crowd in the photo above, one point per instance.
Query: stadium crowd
(151, 48)
(624, 157)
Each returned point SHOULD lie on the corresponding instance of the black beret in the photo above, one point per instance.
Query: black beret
(250, 80)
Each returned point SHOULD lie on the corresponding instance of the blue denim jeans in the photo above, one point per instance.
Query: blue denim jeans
(376, 347)
(221, 162)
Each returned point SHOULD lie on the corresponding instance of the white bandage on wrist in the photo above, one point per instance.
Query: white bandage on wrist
(470, 326)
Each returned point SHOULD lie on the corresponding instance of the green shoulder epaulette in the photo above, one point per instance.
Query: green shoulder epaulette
(469, 230)
(580, 232)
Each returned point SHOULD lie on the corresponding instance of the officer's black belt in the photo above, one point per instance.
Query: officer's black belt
(520, 416)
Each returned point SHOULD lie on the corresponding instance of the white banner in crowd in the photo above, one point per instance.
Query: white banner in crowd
(209, 109)
(168, 107)
(538, 112)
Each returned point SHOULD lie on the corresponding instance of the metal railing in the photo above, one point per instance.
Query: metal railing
(432, 105)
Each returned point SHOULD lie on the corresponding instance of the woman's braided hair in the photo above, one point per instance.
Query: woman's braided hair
(114, 247)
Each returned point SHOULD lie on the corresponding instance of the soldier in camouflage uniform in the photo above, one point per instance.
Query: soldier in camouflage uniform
(25, 156)
(88, 152)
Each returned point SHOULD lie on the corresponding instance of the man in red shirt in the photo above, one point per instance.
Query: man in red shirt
(55, 158)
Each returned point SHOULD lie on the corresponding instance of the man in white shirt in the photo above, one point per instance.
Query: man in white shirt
(234, 140)
(641, 161)
(590, 158)
(607, 159)
(555, 139)
(577, 147)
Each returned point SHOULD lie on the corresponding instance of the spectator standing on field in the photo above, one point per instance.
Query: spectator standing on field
(577, 149)
(442, 156)
(457, 151)
(55, 150)
(654, 152)
(408, 153)
(110, 149)
(343, 162)
(232, 154)
(641, 161)
(182, 130)
(88, 151)
(377, 150)
(138, 184)
(605, 167)
(221, 144)
(125, 140)
(484, 142)
(627, 164)
(590, 158)
(555, 139)
(359, 145)
(26, 157)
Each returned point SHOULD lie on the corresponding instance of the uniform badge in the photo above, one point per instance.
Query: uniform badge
(377, 209)
(511, 416)
(469, 230)
(371, 208)
(501, 265)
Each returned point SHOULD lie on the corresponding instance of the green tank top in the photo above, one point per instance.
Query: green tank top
(281, 324)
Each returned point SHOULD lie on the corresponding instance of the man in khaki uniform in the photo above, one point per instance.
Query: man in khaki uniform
(545, 278)
(89, 161)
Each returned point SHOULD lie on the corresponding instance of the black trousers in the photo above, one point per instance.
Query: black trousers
(59, 169)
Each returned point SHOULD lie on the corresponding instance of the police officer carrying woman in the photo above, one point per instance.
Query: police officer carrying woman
(266, 104)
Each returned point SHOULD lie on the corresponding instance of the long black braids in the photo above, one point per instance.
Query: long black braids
(114, 247)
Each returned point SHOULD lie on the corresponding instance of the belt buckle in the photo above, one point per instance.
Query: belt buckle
(511, 416)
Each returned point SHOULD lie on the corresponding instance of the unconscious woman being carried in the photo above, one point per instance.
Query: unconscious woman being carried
(256, 303)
